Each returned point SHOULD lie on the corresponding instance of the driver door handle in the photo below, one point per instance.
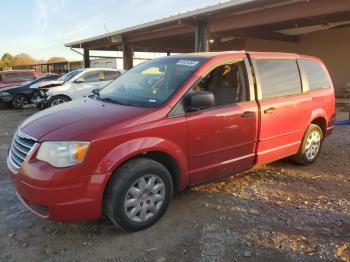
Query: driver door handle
(270, 110)
(248, 114)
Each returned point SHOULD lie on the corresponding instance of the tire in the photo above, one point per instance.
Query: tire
(19, 101)
(132, 206)
(311, 146)
(57, 100)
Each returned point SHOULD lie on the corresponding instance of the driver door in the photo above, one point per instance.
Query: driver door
(222, 139)
(91, 81)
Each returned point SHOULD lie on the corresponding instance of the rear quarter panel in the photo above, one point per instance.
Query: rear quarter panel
(323, 100)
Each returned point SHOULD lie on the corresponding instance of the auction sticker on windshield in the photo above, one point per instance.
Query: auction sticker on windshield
(187, 62)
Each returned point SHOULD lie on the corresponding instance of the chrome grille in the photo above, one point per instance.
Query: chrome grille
(21, 146)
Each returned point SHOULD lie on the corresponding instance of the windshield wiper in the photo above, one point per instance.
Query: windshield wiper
(110, 100)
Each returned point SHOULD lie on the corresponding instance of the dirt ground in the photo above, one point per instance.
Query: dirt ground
(277, 212)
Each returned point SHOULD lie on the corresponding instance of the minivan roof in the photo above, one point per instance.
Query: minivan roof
(276, 55)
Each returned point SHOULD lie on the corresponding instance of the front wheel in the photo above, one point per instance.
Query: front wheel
(57, 100)
(310, 148)
(138, 194)
(19, 101)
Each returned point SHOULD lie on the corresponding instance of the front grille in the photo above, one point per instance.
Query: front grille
(21, 145)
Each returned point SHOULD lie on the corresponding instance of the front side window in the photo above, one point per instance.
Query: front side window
(278, 77)
(151, 83)
(90, 77)
(226, 82)
(316, 74)
(69, 75)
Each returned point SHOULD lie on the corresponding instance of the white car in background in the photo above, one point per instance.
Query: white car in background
(76, 84)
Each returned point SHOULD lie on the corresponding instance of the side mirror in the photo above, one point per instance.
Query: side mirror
(96, 91)
(202, 100)
(79, 81)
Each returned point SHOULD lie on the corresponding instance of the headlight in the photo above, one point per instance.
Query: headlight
(63, 154)
(4, 94)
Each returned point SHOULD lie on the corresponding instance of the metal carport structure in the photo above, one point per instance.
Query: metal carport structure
(261, 25)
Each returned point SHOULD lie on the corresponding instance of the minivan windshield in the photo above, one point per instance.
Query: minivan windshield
(70, 75)
(151, 83)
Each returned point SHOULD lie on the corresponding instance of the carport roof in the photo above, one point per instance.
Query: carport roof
(236, 19)
(189, 14)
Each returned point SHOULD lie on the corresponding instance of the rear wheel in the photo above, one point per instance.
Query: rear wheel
(57, 100)
(138, 194)
(310, 148)
(19, 101)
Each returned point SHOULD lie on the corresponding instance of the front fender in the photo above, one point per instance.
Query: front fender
(135, 147)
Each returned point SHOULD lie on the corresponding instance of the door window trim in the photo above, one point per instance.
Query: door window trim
(247, 79)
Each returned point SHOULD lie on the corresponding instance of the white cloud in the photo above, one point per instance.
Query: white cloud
(44, 11)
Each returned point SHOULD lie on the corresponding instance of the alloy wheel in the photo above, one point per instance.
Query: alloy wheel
(144, 198)
(20, 101)
(313, 145)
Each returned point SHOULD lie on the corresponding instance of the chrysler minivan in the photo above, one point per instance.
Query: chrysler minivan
(168, 124)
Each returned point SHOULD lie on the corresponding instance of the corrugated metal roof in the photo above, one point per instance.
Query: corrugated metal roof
(200, 11)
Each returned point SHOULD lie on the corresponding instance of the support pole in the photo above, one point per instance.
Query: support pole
(127, 56)
(201, 38)
(86, 58)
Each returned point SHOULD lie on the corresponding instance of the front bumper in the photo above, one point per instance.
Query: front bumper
(48, 196)
(6, 100)
(41, 100)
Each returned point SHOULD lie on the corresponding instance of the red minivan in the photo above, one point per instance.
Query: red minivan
(167, 124)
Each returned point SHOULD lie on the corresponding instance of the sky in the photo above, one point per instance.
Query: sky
(40, 28)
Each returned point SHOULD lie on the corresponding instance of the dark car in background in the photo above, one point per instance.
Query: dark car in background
(20, 95)
(16, 77)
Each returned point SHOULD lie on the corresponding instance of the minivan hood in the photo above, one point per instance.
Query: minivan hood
(80, 119)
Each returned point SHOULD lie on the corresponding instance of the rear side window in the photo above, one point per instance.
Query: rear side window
(279, 77)
(11, 76)
(93, 76)
(316, 74)
(18, 75)
(110, 75)
(26, 75)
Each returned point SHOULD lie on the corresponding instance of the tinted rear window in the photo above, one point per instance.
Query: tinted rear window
(316, 74)
(278, 77)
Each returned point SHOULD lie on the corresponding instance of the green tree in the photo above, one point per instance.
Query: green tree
(56, 59)
(7, 61)
(24, 59)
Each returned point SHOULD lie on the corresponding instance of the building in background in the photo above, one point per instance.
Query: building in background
(316, 27)
(103, 62)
